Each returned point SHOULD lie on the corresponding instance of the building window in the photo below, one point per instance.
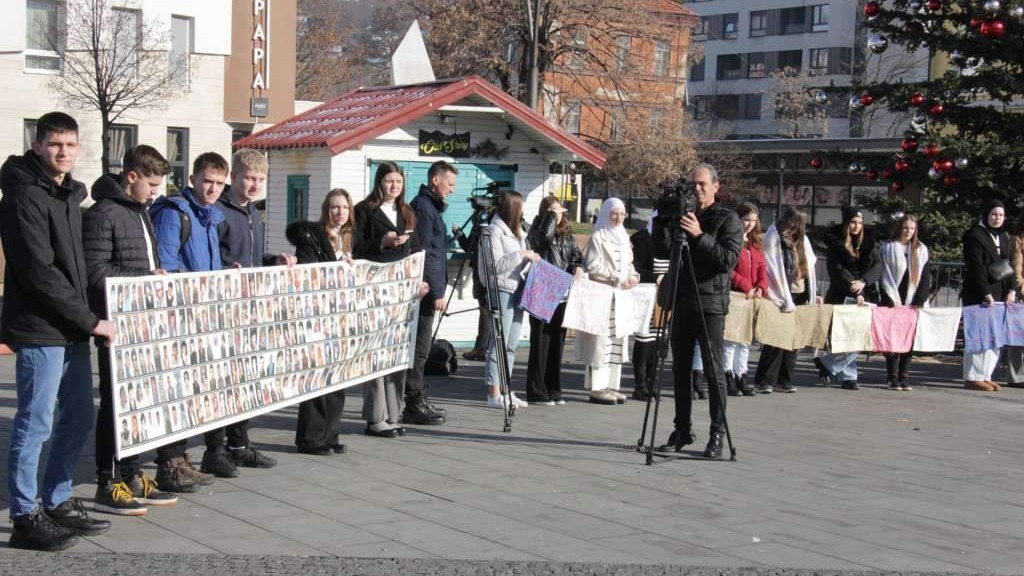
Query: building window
(819, 60)
(298, 197)
(30, 134)
(756, 65)
(127, 29)
(181, 49)
(730, 25)
(622, 48)
(697, 71)
(819, 18)
(701, 32)
(662, 57)
(656, 118)
(730, 67)
(123, 137)
(790, 62)
(43, 21)
(616, 125)
(758, 23)
(177, 155)
(571, 118)
(793, 20)
(578, 49)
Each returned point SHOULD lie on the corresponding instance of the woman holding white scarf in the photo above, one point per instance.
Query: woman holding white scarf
(608, 259)
(905, 282)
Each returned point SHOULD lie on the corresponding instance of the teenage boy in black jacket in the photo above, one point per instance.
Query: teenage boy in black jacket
(47, 322)
(118, 239)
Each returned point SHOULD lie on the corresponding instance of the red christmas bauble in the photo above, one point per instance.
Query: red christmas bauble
(917, 99)
(931, 149)
(866, 98)
(950, 180)
(817, 163)
(993, 29)
(936, 109)
(872, 8)
(943, 165)
(934, 5)
(898, 186)
(872, 174)
(887, 173)
(975, 22)
(909, 145)
(901, 165)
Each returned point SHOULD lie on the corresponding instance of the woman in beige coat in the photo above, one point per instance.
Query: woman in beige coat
(608, 259)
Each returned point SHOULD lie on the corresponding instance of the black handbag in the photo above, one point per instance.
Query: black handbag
(1000, 270)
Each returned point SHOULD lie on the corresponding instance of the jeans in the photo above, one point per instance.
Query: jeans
(49, 379)
(511, 324)
(842, 366)
(698, 361)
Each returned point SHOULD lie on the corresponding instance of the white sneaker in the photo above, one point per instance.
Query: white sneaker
(560, 402)
(519, 403)
(545, 403)
(499, 401)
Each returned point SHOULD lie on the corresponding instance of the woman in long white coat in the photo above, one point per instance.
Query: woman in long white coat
(608, 259)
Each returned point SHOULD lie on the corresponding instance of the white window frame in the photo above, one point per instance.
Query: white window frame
(189, 48)
(40, 53)
(572, 114)
(819, 17)
(662, 57)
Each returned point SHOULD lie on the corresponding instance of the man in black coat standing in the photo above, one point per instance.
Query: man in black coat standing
(430, 228)
(119, 241)
(46, 320)
(715, 237)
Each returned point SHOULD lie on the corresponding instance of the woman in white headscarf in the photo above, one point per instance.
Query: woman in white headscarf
(608, 259)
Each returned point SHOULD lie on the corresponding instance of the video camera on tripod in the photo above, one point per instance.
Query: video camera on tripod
(486, 198)
(676, 200)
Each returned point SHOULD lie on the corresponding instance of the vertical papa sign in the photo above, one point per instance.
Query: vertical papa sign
(261, 44)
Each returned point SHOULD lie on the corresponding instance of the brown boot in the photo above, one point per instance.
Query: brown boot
(977, 385)
(200, 478)
(171, 477)
(995, 387)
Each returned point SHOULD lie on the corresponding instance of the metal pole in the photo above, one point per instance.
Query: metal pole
(778, 199)
(533, 80)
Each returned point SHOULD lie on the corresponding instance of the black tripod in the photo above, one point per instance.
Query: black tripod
(476, 218)
(665, 322)
(490, 276)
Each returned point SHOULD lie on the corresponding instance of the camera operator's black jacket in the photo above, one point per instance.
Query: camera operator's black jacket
(560, 251)
(714, 254)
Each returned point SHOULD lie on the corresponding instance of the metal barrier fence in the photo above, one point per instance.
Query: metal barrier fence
(947, 279)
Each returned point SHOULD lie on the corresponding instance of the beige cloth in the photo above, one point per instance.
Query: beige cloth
(812, 324)
(739, 322)
(851, 329)
(774, 327)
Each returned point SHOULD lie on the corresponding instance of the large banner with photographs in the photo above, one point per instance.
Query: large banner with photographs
(197, 351)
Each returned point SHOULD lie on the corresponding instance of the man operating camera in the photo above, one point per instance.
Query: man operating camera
(714, 236)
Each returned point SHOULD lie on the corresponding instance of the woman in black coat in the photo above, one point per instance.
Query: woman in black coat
(385, 232)
(854, 268)
(551, 238)
(329, 240)
(986, 247)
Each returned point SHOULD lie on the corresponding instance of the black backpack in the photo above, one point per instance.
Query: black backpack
(441, 361)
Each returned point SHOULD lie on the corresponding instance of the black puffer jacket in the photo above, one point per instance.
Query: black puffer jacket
(242, 234)
(114, 233)
(844, 268)
(715, 253)
(980, 252)
(433, 236)
(310, 241)
(561, 251)
(45, 301)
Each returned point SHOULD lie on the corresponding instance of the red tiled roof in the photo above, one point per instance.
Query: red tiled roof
(363, 114)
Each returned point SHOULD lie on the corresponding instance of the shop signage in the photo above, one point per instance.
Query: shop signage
(440, 144)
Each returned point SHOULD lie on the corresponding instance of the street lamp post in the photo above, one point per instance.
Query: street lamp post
(778, 199)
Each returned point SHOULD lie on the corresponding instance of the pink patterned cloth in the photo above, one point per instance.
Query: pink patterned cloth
(546, 287)
(893, 329)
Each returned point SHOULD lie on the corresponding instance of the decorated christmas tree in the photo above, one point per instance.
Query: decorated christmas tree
(964, 141)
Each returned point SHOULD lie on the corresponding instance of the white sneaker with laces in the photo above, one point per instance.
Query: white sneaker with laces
(499, 401)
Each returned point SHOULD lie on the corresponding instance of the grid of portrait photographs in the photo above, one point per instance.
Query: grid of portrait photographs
(197, 351)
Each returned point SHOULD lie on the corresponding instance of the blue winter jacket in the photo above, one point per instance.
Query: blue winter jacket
(201, 250)
(430, 228)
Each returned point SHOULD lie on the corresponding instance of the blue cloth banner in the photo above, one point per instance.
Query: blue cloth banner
(984, 327)
(545, 288)
(1015, 325)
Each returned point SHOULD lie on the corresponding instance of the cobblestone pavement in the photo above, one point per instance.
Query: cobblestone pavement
(826, 480)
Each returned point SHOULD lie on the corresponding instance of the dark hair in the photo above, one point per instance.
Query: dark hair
(210, 160)
(376, 197)
(439, 167)
(914, 242)
(146, 161)
(54, 122)
(510, 209)
(562, 228)
(792, 226)
(756, 236)
(347, 227)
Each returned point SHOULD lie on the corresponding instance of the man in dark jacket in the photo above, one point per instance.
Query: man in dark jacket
(428, 206)
(241, 244)
(119, 241)
(46, 320)
(715, 237)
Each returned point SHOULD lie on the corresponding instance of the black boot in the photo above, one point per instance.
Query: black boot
(71, 516)
(745, 387)
(730, 384)
(677, 439)
(37, 531)
(714, 447)
(419, 412)
(700, 385)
